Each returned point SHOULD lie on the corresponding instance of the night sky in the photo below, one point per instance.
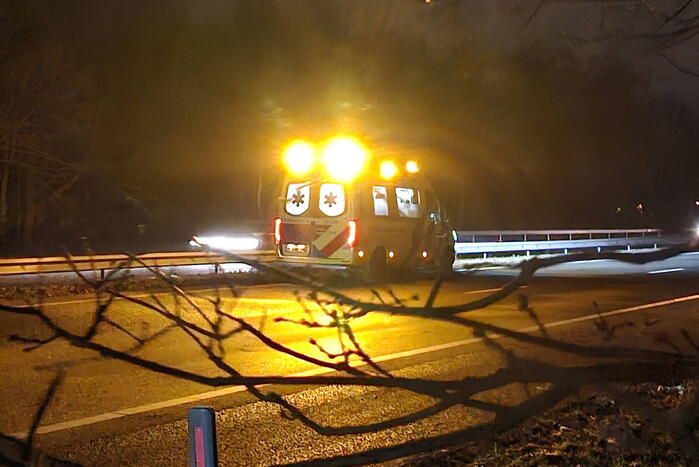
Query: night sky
(567, 117)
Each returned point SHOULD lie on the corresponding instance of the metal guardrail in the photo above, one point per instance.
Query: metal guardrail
(559, 241)
(480, 242)
(473, 235)
(15, 266)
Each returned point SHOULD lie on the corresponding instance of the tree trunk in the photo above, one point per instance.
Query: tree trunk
(260, 179)
(4, 185)
(30, 210)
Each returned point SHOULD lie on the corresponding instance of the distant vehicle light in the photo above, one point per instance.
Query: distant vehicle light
(388, 170)
(412, 167)
(351, 233)
(344, 158)
(391, 254)
(424, 254)
(277, 231)
(299, 157)
(226, 243)
(360, 253)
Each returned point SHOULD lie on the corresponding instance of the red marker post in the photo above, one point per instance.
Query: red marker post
(202, 437)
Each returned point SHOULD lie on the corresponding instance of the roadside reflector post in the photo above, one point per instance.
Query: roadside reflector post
(202, 437)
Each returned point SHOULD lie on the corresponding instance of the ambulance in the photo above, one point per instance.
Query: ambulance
(341, 207)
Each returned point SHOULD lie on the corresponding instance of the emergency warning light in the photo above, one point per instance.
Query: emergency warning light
(388, 170)
(344, 158)
(412, 167)
(299, 157)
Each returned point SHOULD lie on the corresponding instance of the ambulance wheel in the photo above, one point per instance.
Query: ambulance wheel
(376, 269)
(445, 264)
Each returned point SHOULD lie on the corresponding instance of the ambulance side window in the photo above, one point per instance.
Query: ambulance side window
(332, 199)
(408, 202)
(297, 198)
(380, 197)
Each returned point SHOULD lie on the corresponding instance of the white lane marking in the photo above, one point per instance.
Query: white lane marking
(319, 371)
(488, 290)
(237, 301)
(620, 311)
(147, 295)
(91, 300)
(663, 271)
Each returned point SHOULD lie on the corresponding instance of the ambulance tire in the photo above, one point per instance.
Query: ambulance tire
(376, 270)
(445, 264)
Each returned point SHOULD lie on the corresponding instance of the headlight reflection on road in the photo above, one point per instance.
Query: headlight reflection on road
(226, 243)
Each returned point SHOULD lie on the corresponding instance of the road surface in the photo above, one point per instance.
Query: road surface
(111, 413)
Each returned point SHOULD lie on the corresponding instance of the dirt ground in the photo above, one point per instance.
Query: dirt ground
(593, 431)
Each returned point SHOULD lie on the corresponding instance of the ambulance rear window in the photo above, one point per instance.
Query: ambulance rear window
(408, 202)
(332, 199)
(297, 198)
(380, 197)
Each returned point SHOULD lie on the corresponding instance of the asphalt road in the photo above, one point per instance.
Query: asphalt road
(111, 413)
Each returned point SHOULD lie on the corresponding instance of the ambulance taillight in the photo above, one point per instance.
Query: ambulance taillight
(351, 233)
(277, 231)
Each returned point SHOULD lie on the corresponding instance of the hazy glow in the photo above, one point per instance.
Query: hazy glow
(344, 158)
(299, 158)
(388, 170)
(226, 243)
(412, 167)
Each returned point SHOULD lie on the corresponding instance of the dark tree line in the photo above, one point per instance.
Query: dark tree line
(46, 130)
(122, 115)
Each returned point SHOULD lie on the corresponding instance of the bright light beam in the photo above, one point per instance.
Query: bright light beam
(344, 158)
(226, 243)
(299, 158)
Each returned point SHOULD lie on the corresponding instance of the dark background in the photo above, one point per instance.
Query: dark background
(134, 124)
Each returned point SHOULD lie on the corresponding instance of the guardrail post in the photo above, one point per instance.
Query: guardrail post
(217, 268)
(202, 437)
